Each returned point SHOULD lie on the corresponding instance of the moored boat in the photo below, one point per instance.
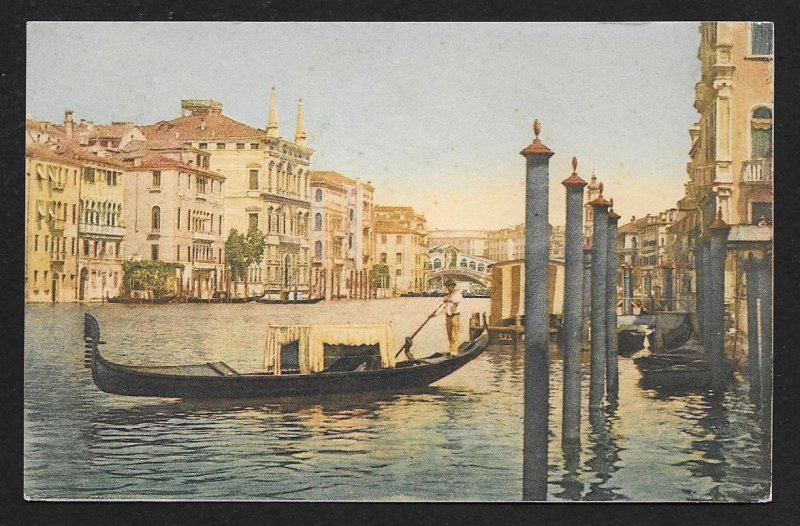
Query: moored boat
(299, 362)
(302, 301)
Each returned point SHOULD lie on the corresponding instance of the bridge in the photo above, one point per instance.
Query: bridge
(447, 262)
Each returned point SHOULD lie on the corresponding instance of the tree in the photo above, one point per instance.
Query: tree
(158, 276)
(241, 251)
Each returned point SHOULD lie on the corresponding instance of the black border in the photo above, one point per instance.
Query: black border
(12, 113)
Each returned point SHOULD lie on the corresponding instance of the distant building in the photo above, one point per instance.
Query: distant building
(174, 212)
(557, 239)
(402, 246)
(267, 184)
(449, 262)
(506, 244)
(467, 241)
(342, 236)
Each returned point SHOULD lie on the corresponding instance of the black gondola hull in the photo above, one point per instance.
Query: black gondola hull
(143, 381)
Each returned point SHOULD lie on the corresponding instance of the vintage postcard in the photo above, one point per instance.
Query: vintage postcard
(399, 261)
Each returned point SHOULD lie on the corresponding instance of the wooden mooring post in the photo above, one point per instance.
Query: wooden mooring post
(612, 368)
(537, 344)
(716, 300)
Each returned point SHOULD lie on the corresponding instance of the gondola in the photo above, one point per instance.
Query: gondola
(149, 301)
(305, 301)
(218, 380)
(684, 368)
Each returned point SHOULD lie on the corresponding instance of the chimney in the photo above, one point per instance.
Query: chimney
(90, 125)
(69, 123)
(203, 123)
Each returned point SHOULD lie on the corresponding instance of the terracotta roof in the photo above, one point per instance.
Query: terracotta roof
(634, 226)
(387, 226)
(574, 180)
(156, 160)
(115, 131)
(217, 126)
(536, 148)
(327, 176)
(163, 144)
(69, 150)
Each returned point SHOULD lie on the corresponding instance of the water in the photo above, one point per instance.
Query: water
(458, 440)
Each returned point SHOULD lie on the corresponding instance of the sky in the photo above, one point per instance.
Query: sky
(433, 114)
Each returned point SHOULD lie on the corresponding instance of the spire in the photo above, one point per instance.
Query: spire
(272, 122)
(300, 133)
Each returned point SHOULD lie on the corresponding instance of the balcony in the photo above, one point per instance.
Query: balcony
(757, 171)
(57, 225)
(102, 230)
(204, 236)
(290, 240)
(58, 257)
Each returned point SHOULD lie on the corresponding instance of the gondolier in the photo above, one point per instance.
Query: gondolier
(450, 307)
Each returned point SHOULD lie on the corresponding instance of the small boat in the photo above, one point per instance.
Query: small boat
(151, 301)
(302, 301)
(630, 340)
(341, 368)
(682, 368)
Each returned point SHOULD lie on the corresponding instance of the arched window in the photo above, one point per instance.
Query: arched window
(761, 133)
(155, 218)
(463, 263)
(318, 195)
(472, 265)
(318, 221)
(481, 267)
(318, 249)
(350, 240)
(437, 263)
(352, 214)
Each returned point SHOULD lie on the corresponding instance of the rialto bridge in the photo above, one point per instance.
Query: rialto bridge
(447, 262)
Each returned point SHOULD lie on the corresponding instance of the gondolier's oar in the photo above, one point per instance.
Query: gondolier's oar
(409, 339)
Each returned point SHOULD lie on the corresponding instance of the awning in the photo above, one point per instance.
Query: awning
(311, 340)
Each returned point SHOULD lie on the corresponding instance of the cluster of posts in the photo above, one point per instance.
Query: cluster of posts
(589, 295)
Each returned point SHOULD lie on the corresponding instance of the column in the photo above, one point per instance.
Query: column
(597, 381)
(571, 331)
(627, 285)
(669, 291)
(752, 273)
(716, 299)
(612, 375)
(537, 344)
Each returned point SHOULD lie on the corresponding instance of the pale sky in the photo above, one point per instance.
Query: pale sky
(434, 114)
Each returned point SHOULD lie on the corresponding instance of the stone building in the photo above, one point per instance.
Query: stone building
(402, 245)
(52, 189)
(342, 236)
(731, 167)
(468, 241)
(267, 184)
(174, 212)
(506, 244)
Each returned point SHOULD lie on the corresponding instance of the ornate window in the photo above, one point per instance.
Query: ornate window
(318, 221)
(318, 195)
(253, 179)
(761, 133)
(318, 249)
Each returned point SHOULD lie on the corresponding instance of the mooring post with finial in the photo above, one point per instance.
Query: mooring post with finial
(612, 374)
(537, 343)
(597, 368)
(716, 300)
(573, 308)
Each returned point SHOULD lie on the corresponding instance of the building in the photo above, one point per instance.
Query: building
(731, 166)
(101, 226)
(402, 246)
(506, 244)
(466, 241)
(645, 246)
(174, 212)
(52, 189)
(342, 236)
(267, 184)
(557, 238)
(593, 190)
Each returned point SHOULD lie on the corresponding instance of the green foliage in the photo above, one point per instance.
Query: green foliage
(379, 276)
(242, 250)
(158, 276)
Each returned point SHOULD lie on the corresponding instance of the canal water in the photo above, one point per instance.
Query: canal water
(459, 440)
